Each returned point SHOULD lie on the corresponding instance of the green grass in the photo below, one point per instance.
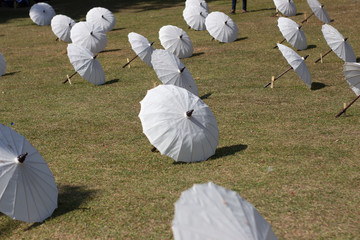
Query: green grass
(112, 186)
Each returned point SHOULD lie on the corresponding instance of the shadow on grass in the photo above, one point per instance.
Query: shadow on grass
(205, 96)
(10, 73)
(240, 39)
(7, 226)
(110, 50)
(117, 29)
(111, 81)
(317, 85)
(358, 59)
(311, 46)
(197, 54)
(263, 9)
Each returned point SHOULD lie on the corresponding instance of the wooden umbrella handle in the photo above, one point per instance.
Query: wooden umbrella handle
(266, 85)
(67, 79)
(280, 43)
(130, 61)
(324, 55)
(305, 20)
(344, 110)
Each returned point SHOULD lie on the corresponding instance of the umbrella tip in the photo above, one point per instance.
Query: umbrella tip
(306, 57)
(151, 43)
(91, 33)
(181, 70)
(345, 39)
(181, 36)
(189, 113)
(21, 158)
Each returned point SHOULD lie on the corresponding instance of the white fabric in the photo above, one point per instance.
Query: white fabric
(141, 46)
(61, 26)
(41, 13)
(89, 36)
(168, 69)
(337, 43)
(221, 27)
(208, 211)
(2, 65)
(286, 7)
(28, 190)
(86, 64)
(197, 3)
(297, 63)
(176, 41)
(195, 17)
(319, 11)
(352, 76)
(293, 33)
(164, 121)
(101, 17)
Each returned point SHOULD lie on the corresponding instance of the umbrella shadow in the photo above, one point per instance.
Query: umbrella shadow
(317, 85)
(227, 151)
(240, 39)
(10, 73)
(263, 9)
(110, 50)
(358, 59)
(111, 81)
(6, 227)
(117, 29)
(205, 96)
(311, 46)
(197, 54)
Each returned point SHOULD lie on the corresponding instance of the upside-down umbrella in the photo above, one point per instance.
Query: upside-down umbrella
(296, 62)
(86, 64)
(176, 41)
(89, 36)
(101, 17)
(221, 27)
(286, 7)
(195, 17)
(318, 10)
(28, 190)
(141, 46)
(61, 26)
(41, 13)
(197, 3)
(209, 211)
(2, 65)
(292, 32)
(170, 70)
(179, 124)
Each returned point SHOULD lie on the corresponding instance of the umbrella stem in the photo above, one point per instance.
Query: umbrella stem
(21, 158)
(278, 77)
(324, 55)
(181, 70)
(189, 113)
(69, 78)
(130, 61)
(305, 20)
(280, 43)
(344, 110)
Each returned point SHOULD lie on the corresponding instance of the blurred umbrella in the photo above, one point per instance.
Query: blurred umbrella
(142, 47)
(2, 65)
(293, 33)
(221, 27)
(41, 13)
(197, 3)
(176, 41)
(195, 17)
(101, 17)
(61, 26)
(319, 11)
(286, 7)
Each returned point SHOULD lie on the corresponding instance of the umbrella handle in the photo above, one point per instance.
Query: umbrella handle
(69, 78)
(266, 85)
(323, 55)
(130, 61)
(344, 110)
(280, 43)
(305, 20)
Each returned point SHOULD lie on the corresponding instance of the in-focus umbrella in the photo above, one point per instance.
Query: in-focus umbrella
(318, 10)
(41, 13)
(338, 44)
(296, 62)
(28, 190)
(209, 211)
(197, 3)
(2, 65)
(176, 41)
(286, 7)
(293, 33)
(61, 26)
(86, 64)
(195, 17)
(141, 46)
(101, 17)
(170, 70)
(179, 124)
(221, 27)
(89, 36)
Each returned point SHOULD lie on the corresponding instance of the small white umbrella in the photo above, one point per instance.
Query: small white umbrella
(41, 13)
(86, 64)
(209, 211)
(170, 70)
(176, 41)
(318, 10)
(179, 124)
(101, 17)
(286, 7)
(2, 65)
(195, 17)
(28, 190)
(221, 27)
(89, 36)
(61, 26)
(197, 3)
(142, 47)
(293, 33)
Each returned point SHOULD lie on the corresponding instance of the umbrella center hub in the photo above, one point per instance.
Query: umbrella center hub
(21, 158)
(189, 113)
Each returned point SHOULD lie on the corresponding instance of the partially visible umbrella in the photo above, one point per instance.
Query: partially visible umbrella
(197, 3)
(318, 10)
(195, 17)
(61, 26)
(179, 124)
(28, 190)
(170, 70)
(293, 33)
(221, 27)
(141, 46)
(176, 41)
(2, 65)
(209, 211)
(101, 17)
(286, 7)
(41, 13)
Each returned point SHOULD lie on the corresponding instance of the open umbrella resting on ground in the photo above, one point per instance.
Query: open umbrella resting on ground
(176, 41)
(318, 10)
(101, 17)
(292, 33)
(286, 7)
(142, 47)
(221, 27)
(61, 26)
(41, 13)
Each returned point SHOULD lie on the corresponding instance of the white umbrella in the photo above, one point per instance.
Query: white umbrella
(195, 17)
(86, 64)
(170, 70)
(208, 211)
(41, 13)
(293, 33)
(101, 17)
(197, 3)
(221, 27)
(61, 26)
(2, 65)
(286, 7)
(319, 11)
(28, 190)
(179, 124)
(176, 41)
(141, 46)
(89, 36)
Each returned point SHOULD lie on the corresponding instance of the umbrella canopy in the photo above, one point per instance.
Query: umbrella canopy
(208, 211)
(28, 190)
(221, 27)
(352, 76)
(86, 64)
(141, 46)
(179, 124)
(338, 43)
(41, 13)
(286, 7)
(195, 17)
(292, 32)
(170, 70)
(176, 41)
(319, 11)
(2, 65)
(197, 3)
(101, 17)
(61, 26)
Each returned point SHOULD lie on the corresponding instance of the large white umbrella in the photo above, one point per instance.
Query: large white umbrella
(28, 190)
(195, 17)
(86, 64)
(141, 46)
(197, 3)
(209, 211)
(176, 41)
(61, 26)
(293, 33)
(41, 13)
(2, 65)
(170, 70)
(101, 17)
(179, 124)
(221, 27)
(286, 7)
(89, 36)
(319, 11)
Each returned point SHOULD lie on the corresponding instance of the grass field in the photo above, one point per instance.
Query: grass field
(281, 149)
